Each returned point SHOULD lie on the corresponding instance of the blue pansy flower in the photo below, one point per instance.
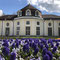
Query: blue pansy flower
(13, 56)
(46, 57)
(5, 51)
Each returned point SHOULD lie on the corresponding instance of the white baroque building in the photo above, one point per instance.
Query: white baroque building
(29, 21)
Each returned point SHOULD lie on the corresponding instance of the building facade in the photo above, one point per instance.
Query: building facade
(29, 21)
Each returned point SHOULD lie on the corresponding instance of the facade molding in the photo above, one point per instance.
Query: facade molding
(28, 17)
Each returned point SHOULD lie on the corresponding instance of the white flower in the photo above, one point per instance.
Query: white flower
(59, 58)
(3, 58)
(39, 58)
(21, 59)
(54, 58)
(14, 50)
(57, 51)
(16, 59)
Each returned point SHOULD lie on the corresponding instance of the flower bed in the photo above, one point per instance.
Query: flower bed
(30, 49)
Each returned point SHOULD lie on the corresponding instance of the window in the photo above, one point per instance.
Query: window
(38, 23)
(7, 31)
(17, 30)
(49, 24)
(36, 13)
(18, 23)
(7, 24)
(27, 30)
(59, 24)
(37, 30)
(28, 12)
(49, 31)
(27, 22)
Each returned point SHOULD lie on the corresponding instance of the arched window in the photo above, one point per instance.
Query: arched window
(49, 24)
(38, 23)
(28, 12)
(36, 13)
(7, 24)
(19, 13)
(18, 23)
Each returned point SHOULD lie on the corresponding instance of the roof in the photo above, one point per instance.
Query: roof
(30, 7)
(8, 17)
(53, 17)
(45, 17)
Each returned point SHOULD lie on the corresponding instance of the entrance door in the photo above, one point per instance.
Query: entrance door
(49, 31)
(27, 30)
(59, 31)
(7, 31)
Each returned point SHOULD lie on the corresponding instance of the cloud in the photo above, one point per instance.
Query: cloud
(1, 12)
(46, 5)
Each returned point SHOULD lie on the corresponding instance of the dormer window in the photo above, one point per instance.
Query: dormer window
(19, 13)
(28, 12)
(36, 13)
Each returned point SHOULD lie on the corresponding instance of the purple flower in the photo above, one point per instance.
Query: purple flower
(12, 40)
(57, 44)
(40, 45)
(23, 39)
(13, 56)
(30, 39)
(50, 54)
(47, 46)
(43, 40)
(26, 48)
(30, 44)
(52, 45)
(5, 51)
(5, 43)
(46, 57)
(54, 49)
(49, 41)
(36, 40)
(4, 40)
(34, 45)
(16, 40)
(36, 51)
(0, 57)
(19, 41)
(13, 45)
(17, 44)
(44, 51)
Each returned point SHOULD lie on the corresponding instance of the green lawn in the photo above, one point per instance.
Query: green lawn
(28, 37)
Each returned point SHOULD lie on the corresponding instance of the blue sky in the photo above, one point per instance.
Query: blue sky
(12, 6)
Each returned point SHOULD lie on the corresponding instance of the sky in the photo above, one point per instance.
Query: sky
(9, 7)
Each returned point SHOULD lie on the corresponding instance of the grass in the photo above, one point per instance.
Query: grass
(27, 37)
